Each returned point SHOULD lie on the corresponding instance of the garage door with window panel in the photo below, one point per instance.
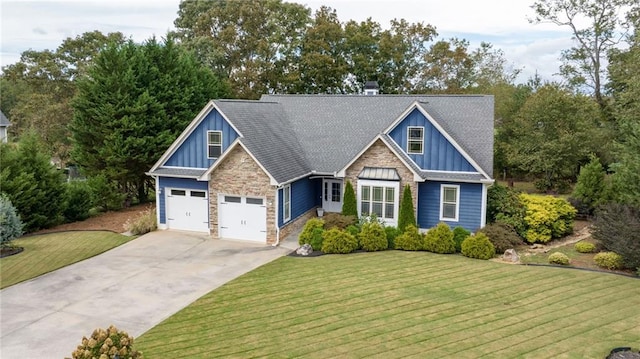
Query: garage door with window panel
(242, 217)
(187, 209)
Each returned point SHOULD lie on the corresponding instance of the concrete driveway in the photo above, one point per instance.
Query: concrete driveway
(134, 287)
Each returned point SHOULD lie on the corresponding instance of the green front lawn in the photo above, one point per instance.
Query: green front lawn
(48, 252)
(395, 304)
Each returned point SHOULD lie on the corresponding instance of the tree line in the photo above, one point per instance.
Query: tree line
(112, 106)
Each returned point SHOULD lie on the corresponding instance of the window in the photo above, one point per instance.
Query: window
(415, 140)
(232, 199)
(449, 202)
(214, 143)
(256, 201)
(379, 198)
(201, 194)
(286, 203)
(178, 192)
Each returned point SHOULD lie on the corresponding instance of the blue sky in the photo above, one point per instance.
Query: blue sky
(533, 48)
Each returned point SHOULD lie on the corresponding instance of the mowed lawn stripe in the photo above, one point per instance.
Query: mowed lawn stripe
(364, 304)
(48, 252)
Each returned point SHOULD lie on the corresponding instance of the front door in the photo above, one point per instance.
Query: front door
(332, 195)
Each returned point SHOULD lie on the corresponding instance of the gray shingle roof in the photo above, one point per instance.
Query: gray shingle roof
(4, 121)
(268, 135)
(179, 172)
(332, 129)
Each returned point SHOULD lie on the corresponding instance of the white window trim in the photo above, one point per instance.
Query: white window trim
(409, 128)
(457, 188)
(396, 197)
(286, 215)
(209, 144)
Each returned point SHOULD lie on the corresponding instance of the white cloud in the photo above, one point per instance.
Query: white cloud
(45, 24)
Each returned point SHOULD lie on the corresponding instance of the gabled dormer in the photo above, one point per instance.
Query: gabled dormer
(206, 138)
(428, 144)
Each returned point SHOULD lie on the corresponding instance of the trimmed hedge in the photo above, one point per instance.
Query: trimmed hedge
(478, 246)
(558, 258)
(439, 239)
(372, 237)
(312, 233)
(410, 240)
(608, 260)
(337, 241)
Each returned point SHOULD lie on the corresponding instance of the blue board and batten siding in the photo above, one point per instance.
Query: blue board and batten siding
(169, 182)
(193, 152)
(305, 195)
(438, 153)
(470, 205)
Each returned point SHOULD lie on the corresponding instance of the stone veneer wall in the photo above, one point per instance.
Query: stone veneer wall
(379, 155)
(240, 175)
(297, 223)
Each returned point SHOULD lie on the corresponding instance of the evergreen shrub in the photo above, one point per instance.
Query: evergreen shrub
(608, 260)
(478, 246)
(312, 233)
(439, 239)
(558, 258)
(372, 237)
(410, 240)
(337, 241)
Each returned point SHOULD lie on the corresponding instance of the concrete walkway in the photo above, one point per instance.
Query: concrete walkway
(134, 287)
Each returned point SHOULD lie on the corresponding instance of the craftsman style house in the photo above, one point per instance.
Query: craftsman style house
(257, 170)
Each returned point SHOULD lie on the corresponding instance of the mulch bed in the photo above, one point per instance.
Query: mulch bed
(9, 251)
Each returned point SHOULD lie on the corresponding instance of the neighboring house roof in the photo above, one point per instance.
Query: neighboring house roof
(4, 121)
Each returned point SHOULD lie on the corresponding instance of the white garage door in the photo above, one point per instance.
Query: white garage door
(187, 209)
(242, 218)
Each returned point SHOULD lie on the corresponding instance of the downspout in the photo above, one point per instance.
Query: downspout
(275, 209)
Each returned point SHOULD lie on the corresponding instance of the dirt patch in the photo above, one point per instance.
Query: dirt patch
(109, 221)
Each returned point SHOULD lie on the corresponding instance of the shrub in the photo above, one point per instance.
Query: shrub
(338, 241)
(145, 223)
(502, 236)
(504, 205)
(459, 235)
(372, 217)
(34, 186)
(617, 227)
(353, 230)
(590, 185)
(105, 193)
(77, 201)
(372, 237)
(107, 343)
(410, 240)
(584, 247)
(439, 239)
(558, 258)
(349, 203)
(407, 215)
(478, 246)
(547, 217)
(10, 224)
(608, 260)
(392, 234)
(312, 233)
(338, 220)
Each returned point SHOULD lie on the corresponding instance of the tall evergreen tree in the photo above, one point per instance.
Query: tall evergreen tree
(33, 185)
(407, 214)
(349, 203)
(134, 103)
(590, 186)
